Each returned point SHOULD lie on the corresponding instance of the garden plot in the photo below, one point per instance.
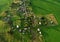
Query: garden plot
(52, 18)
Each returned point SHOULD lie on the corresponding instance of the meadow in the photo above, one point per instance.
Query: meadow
(45, 7)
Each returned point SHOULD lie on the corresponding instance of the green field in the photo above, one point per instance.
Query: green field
(49, 7)
(4, 4)
(42, 7)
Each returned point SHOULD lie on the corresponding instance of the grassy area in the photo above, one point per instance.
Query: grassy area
(47, 7)
(4, 4)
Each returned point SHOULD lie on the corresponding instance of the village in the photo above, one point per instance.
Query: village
(20, 17)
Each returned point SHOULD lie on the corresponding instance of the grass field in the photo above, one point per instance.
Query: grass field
(4, 4)
(42, 7)
(47, 7)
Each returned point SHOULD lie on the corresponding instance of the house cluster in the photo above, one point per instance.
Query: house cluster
(28, 20)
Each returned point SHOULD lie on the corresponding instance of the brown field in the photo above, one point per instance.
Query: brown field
(52, 17)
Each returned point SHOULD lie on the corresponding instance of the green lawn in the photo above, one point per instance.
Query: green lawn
(43, 7)
(4, 4)
(47, 7)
